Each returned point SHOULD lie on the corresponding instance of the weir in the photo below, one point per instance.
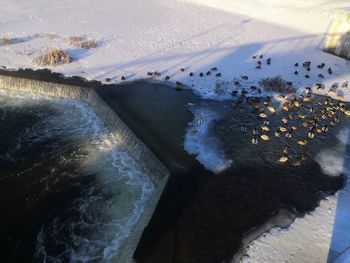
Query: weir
(137, 149)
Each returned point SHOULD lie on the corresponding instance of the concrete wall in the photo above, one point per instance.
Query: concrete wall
(338, 38)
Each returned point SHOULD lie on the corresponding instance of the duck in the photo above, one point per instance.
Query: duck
(284, 120)
(265, 128)
(311, 134)
(244, 128)
(266, 122)
(285, 108)
(255, 131)
(324, 128)
(289, 134)
(255, 140)
(283, 158)
(282, 129)
(278, 133)
(294, 128)
(262, 115)
(271, 109)
(264, 137)
(286, 150)
(296, 162)
(347, 112)
(336, 119)
(302, 142)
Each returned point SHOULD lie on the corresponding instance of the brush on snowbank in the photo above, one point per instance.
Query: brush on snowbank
(80, 42)
(277, 84)
(53, 57)
(5, 41)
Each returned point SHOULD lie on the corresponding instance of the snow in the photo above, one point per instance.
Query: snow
(200, 142)
(138, 36)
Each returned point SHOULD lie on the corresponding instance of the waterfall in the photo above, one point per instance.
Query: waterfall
(132, 144)
(135, 147)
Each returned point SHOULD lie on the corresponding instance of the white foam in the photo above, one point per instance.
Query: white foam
(206, 147)
(110, 207)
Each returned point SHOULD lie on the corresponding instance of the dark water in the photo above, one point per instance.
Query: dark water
(202, 217)
(68, 193)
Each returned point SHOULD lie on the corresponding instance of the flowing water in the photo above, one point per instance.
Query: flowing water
(69, 192)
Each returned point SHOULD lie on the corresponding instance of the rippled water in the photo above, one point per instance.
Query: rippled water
(68, 190)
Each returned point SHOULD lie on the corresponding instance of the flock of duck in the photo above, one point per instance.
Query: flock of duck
(298, 113)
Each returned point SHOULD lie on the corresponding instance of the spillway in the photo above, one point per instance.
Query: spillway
(122, 178)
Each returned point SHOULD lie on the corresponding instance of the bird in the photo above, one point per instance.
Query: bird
(311, 134)
(255, 140)
(255, 131)
(264, 137)
(283, 158)
(271, 109)
(302, 142)
(324, 128)
(265, 128)
(262, 115)
(244, 128)
(289, 134)
(284, 120)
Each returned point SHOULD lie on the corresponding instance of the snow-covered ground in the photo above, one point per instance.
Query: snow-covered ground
(137, 36)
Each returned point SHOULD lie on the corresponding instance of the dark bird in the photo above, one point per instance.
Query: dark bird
(268, 61)
(201, 74)
(218, 75)
(214, 69)
(123, 78)
(329, 70)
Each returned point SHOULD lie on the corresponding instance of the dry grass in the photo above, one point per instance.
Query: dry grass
(80, 42)
(277, 84)
(5, 41)
(53, 57)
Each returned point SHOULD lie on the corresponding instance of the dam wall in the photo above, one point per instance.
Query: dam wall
(157, 172)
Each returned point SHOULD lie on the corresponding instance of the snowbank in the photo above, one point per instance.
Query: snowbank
(134, 37)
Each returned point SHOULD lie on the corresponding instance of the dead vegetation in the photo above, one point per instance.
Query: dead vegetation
(5, 41)
(81, 42)
(53, 57)
(277, 84)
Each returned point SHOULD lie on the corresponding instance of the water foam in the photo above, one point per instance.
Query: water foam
(105, 214)
(200, 142)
